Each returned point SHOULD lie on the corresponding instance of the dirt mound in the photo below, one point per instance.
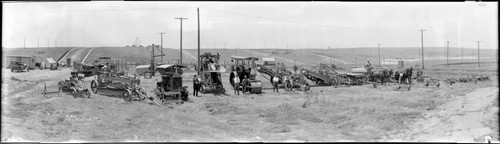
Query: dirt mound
(287, 114)
(220, 108)
(279, 129)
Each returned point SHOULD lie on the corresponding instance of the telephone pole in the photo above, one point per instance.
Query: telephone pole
(478, 62)
(462, 53)
(379, 64)
(161, 44)
(180, 19)
(422, 39)
(198, 66)
(447, 52)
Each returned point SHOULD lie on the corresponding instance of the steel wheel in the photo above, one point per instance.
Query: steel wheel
(93, 86)
(127, 95)
(88, 94)
(74, 93)
(335, 82)
(202, 89)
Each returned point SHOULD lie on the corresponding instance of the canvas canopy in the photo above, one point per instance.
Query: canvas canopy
(244, 58)
(170, 65)
(51, 61)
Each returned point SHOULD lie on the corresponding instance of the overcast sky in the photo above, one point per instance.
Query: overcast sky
(251, 24)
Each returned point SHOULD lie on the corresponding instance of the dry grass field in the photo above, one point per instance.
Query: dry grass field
(460, 112)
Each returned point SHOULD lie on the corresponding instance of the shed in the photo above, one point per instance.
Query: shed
(50, 63)
(269, 61)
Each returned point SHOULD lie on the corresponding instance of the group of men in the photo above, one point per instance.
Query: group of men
(196, 85)
(237, 83)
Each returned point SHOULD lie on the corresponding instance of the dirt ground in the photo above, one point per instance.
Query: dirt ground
(462, 112)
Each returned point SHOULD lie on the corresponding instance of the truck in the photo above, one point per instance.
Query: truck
(20, 62)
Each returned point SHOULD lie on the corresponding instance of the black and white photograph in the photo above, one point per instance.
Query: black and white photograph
(249, 71)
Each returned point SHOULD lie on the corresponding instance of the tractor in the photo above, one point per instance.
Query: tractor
(170, 87)
(75, 85)
(245, 66)
(210, 74)
(18, 66)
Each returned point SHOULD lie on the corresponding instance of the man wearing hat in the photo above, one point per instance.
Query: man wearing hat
(195, 85)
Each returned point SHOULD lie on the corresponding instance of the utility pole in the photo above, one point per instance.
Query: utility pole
(153, 60)
(462, 53)
(198, 66)
(161, 37)
(478, 62)
(422, 39)
(447, 52)
(180, 19)
(379, 64)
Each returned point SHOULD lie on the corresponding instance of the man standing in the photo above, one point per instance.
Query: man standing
(275, 83)
(236, 81)
(195, 85)
(244, 82)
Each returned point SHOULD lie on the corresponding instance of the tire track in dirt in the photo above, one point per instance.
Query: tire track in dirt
(466, 119)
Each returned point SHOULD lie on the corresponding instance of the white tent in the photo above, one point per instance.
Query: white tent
(50, 62)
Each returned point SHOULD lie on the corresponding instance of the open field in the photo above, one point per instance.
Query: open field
(459, 112)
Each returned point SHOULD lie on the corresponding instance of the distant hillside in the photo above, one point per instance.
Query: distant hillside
(133, 54)
(40, 53)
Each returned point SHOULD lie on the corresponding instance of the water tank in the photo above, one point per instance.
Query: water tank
(68, 62)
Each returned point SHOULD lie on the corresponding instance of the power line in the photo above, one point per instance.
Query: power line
(379, 64)
(422, 39)
(180, 19)
(161, 37)
(297, 22)
(478, 62)
(95, 10)
(447, 52)
(198, 15)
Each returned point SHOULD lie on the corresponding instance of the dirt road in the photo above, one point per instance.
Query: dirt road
(466, 119)
(77, 54)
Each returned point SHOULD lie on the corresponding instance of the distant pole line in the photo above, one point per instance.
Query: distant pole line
(462, 53)
(153, 60)
(447, 52)
(161, 37)
(180, 19)
(422, 39)
(379, 64)
(478, 56)
(198, 15)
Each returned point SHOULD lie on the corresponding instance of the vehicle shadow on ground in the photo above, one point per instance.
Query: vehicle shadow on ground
(110, 93)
